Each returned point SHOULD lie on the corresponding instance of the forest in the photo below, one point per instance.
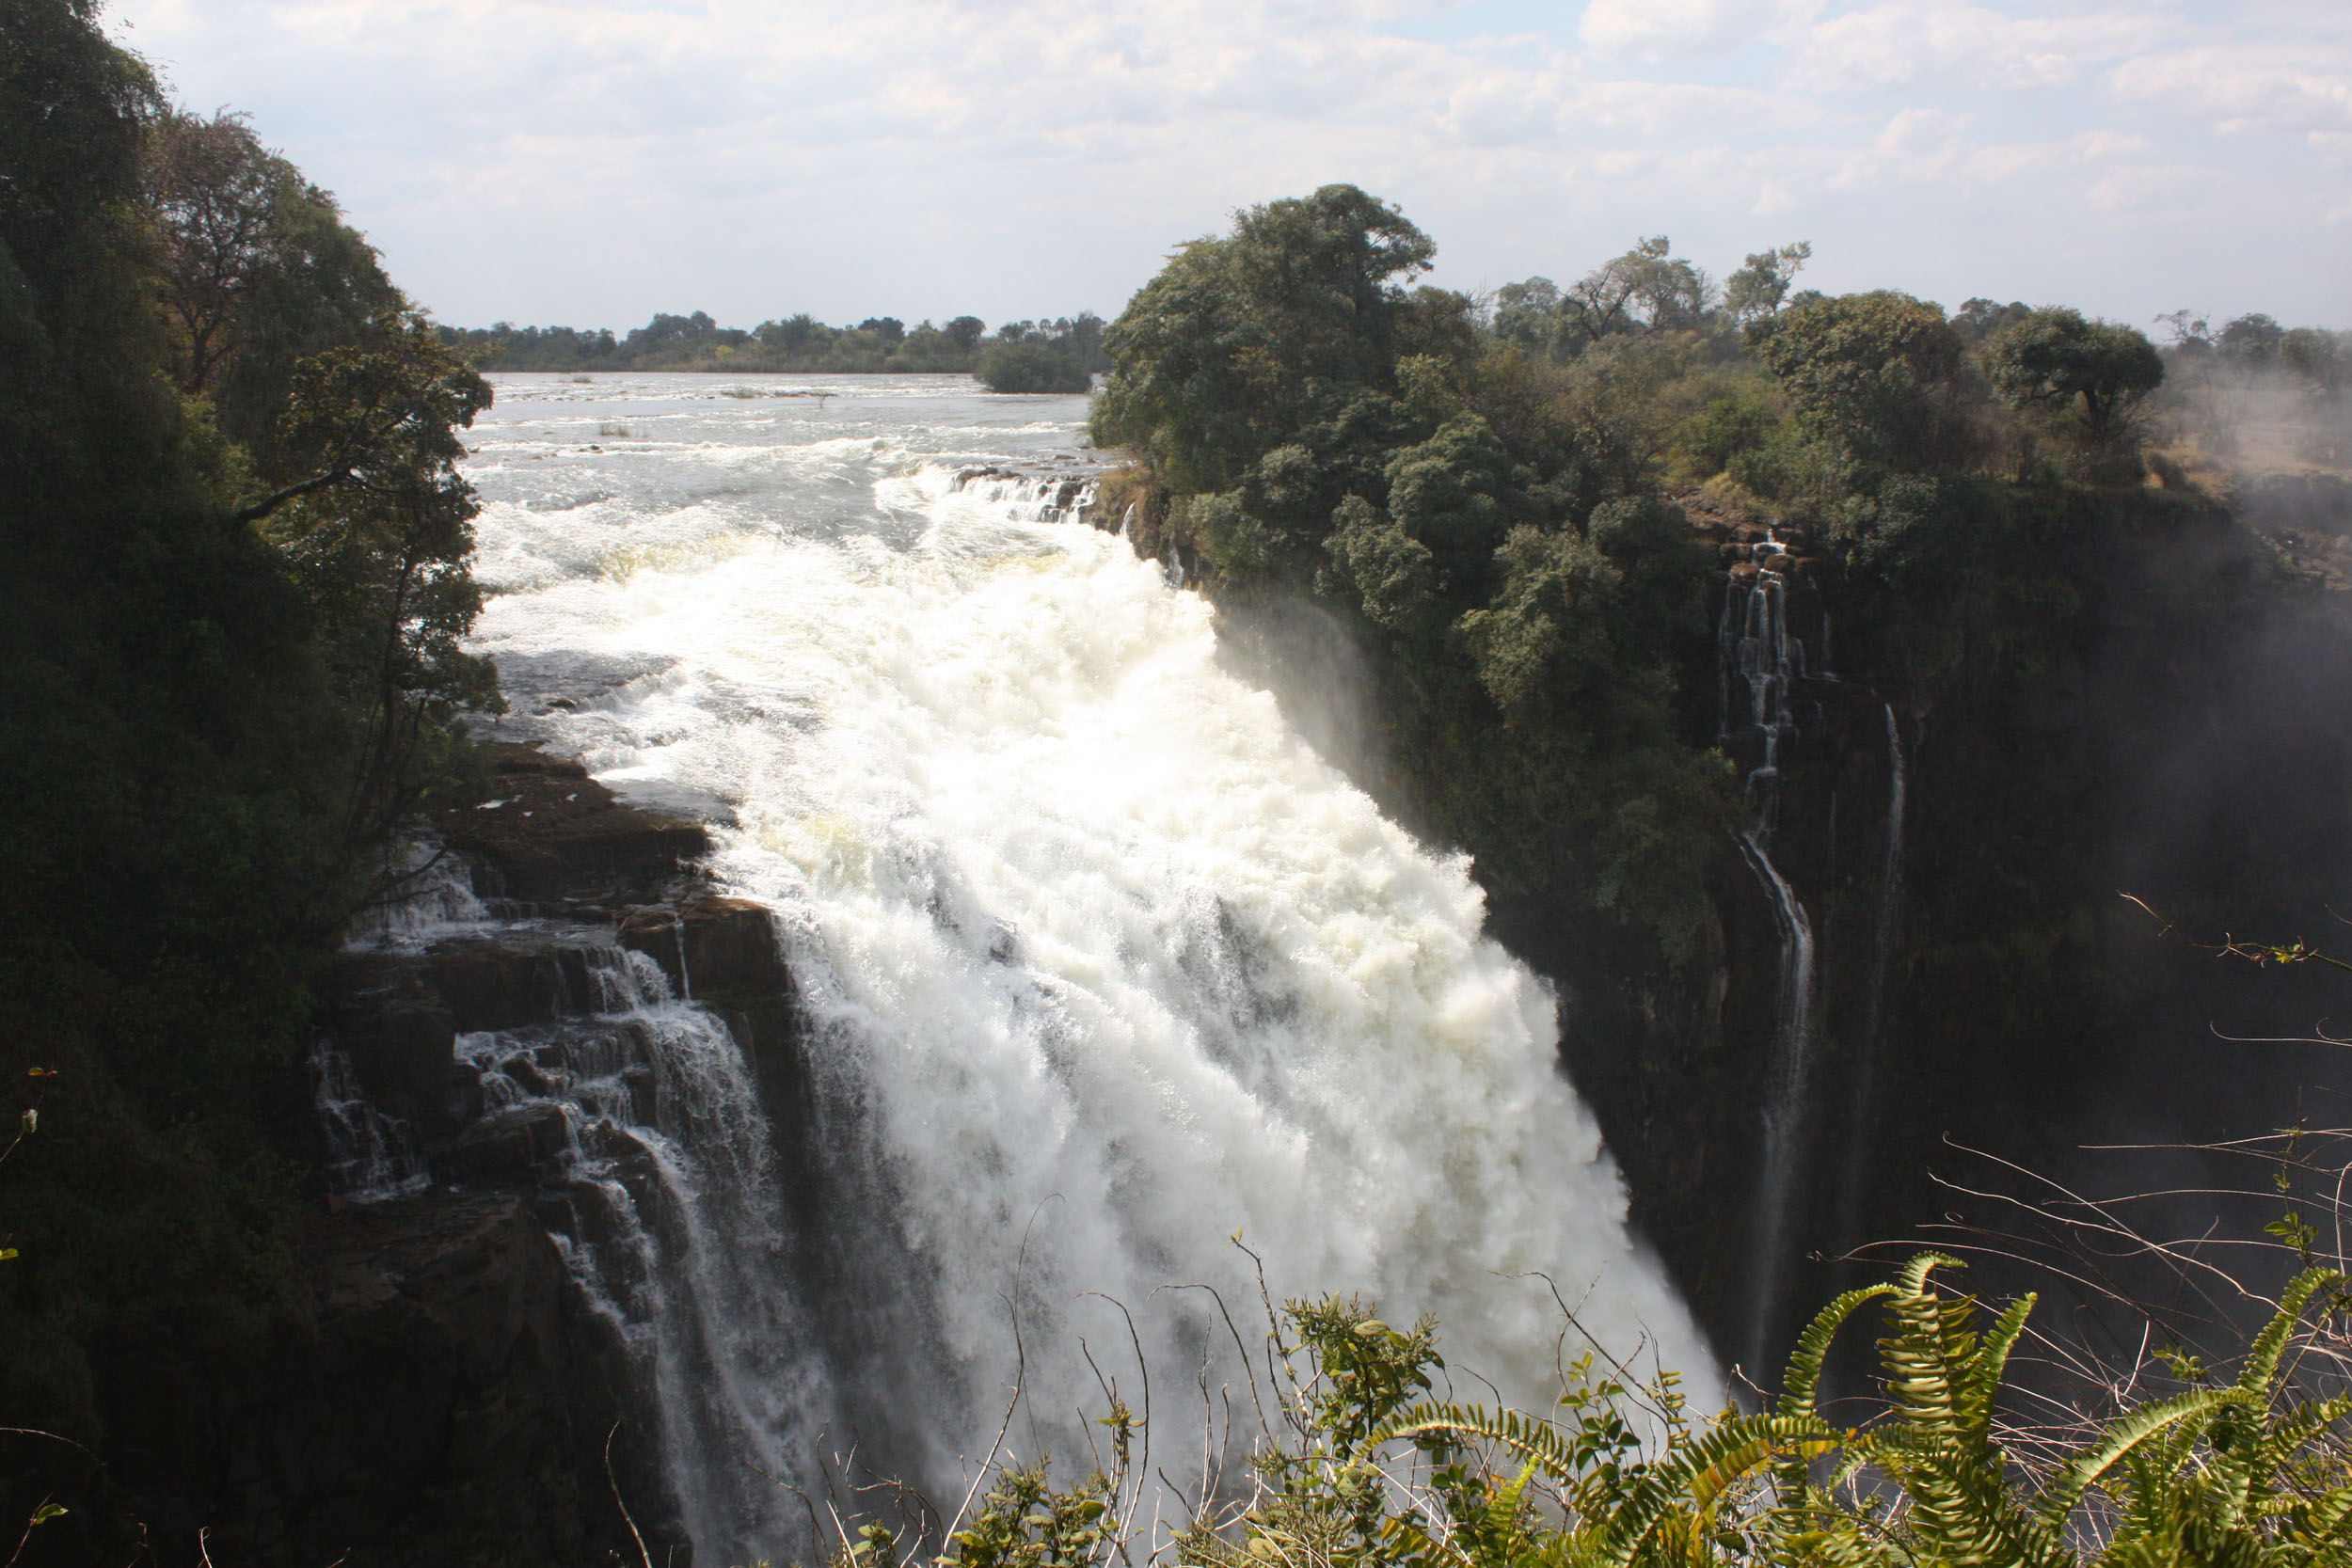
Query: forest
(230, 501)
(1058, 356)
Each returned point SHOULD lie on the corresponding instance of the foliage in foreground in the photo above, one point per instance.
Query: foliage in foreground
(1360, 1465)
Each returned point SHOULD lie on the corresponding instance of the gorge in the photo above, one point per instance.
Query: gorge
(714, 968)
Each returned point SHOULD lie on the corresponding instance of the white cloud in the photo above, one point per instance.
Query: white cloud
(2238, 87)
(1658, 29)
(1944, 44)
(597, 160)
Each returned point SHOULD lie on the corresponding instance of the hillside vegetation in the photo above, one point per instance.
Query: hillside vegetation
(238, 556)
(1480, 488)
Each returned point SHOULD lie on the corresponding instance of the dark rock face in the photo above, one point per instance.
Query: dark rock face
(2130, 695)
(553, 832)
(453, 1396)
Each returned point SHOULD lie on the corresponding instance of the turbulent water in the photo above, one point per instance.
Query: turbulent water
(1106, 965)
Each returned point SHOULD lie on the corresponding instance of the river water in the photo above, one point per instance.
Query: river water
(1106, 965)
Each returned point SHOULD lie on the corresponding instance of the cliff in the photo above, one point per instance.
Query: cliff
(2079, 693)
(451, 1396)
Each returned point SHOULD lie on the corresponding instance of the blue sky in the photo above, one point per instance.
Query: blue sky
(590, 162)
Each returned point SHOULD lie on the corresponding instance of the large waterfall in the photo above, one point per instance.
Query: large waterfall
(1103, 966)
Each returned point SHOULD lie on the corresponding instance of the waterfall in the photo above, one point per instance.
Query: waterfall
(1858, 1142)
(1760, 648)
(1031, 496)
(656, 1183)
(1101, 965)
(671, 1225)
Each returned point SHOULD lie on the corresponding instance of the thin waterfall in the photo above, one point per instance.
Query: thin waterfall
(664, 1201)
(671, 1225)
(1873, 1017)
(1769, 660)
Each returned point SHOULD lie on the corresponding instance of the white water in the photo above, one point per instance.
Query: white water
(1769, 659)
(1106, 965)
(1882, 960)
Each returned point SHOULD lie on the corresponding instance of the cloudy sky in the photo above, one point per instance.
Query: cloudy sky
(590, 162)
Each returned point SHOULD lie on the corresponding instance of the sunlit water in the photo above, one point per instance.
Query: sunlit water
(1106, 965)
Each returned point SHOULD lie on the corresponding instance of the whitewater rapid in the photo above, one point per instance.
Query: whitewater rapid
(1105, 965)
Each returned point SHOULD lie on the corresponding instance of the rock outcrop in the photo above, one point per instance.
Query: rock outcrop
(453, 1399)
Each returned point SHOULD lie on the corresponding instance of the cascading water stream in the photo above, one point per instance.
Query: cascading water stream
(1881, 958)
(1100, 963)
(666, 1209)
(1759, 647)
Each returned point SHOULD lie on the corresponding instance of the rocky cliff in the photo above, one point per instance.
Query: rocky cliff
(456, 1395)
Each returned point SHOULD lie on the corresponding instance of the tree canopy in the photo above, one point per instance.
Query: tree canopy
(2056, 358)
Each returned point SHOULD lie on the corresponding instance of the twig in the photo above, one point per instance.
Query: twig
(644, 1557)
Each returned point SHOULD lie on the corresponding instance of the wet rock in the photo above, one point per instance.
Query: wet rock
(397, 1031)
(714, 948)
(489, 986)
(448, 1403)
(514, 1146)
(551, 832)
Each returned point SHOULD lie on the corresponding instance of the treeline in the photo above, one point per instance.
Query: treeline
(1019, 356)
(1480, 488)
(238, 555)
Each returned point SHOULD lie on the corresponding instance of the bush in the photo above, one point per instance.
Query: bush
(1031, 367)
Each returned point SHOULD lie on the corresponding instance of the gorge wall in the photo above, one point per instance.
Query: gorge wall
(2081, 694)
(500, 1059)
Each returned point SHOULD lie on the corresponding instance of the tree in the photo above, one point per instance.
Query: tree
(890, 329)
(1030, 368)
(2099, 371)
(1646, 287)
(1528, 313)
(216, 192)
(2317, 355)
(1761, 285)
(964, 331)
(791, 335)
(1979, 318)
(381, 537)
(2250, 340)
(1240, 340)
(1880, 375)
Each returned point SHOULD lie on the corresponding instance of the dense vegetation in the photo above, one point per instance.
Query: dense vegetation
(1480, 488)
(238, 556)
(1359, 1462)
(1065, 352)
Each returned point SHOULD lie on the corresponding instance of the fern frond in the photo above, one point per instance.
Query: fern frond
(2121, 1436)
(1800, 1383)
(1534, 1441)
(1913, 1281)
(2263, 1356)
(1980, 1381)
(1702, 1472)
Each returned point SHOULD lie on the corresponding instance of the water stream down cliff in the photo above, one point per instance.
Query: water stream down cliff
(1093, 963)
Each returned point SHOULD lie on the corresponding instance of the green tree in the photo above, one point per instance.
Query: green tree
(1240, 342)
(1880, 375)
(1762, 283)
(2096, 371)
(1646, 287)
(1030, 368)
(194, 706)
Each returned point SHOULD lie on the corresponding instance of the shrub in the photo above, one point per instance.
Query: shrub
(1031, 367)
